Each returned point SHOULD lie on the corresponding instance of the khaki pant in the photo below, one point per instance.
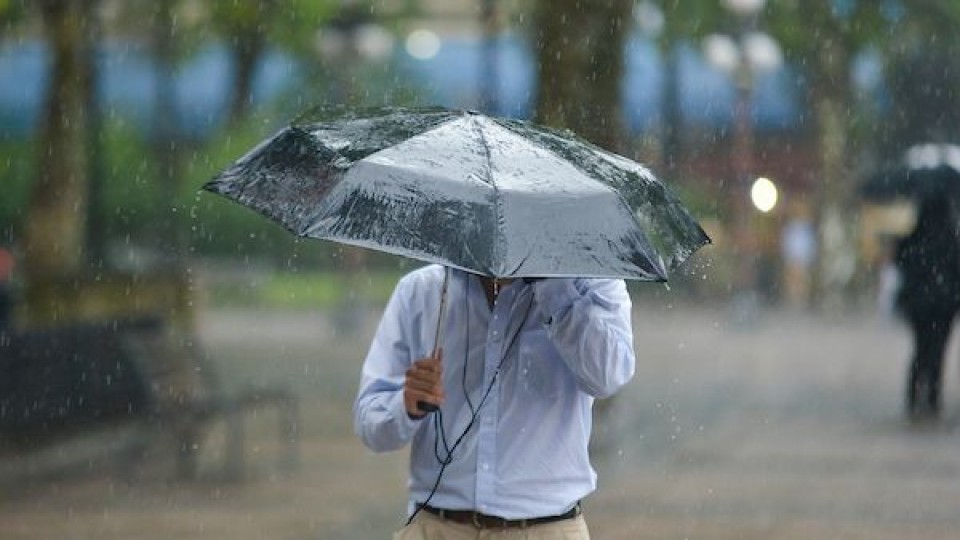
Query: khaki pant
(427, 526)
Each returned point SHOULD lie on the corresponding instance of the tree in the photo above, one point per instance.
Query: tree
(673, 23)
(922, 77)
(580, 48)
(54, 232)
(248, 28)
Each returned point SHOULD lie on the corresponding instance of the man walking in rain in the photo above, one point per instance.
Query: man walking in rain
(513, 380)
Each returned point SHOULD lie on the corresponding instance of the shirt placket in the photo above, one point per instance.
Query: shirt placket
(487, 433)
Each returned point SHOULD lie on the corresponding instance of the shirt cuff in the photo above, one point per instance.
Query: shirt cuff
(554, 297)
(406, 425)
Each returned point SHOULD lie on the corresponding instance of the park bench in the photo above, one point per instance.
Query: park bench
(59, 383)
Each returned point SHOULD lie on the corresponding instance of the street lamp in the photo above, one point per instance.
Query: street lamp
(744, 56)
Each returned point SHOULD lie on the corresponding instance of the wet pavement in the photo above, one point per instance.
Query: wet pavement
(790, 427)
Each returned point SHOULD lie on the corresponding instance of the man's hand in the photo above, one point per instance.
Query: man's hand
(424, 382)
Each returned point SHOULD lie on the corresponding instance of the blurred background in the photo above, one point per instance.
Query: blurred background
(176, 366)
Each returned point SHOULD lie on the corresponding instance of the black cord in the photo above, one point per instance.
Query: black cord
(439, 431)
(474, 413)
(466, 355)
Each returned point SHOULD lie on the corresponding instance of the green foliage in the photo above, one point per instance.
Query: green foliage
(291, 24)
(824, 25)
(17, 165)
(129, 190)
(324, 290)
(12, 12)
(220, 227)
(690, 19)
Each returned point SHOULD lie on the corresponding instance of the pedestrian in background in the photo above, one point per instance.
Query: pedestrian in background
(798, 245)
(928, 260)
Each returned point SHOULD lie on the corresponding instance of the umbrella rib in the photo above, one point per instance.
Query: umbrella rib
(498, 211)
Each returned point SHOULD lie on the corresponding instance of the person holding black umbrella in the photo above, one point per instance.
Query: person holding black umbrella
(928, 260)
(514, 381)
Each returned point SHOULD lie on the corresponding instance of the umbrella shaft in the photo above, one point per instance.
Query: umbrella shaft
(438, 336)
(442, 314)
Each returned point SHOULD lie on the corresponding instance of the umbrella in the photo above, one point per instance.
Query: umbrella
(496, 197)
(926, 170)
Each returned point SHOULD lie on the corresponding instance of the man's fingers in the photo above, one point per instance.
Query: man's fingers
(424, 383)
(413, 397)
(425, 380)
(426, 397)
(431, 363)
(424, 386)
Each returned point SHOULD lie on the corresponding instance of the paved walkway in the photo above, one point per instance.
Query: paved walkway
(788, 429)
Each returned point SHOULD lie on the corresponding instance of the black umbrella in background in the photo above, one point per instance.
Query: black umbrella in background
(926, 170)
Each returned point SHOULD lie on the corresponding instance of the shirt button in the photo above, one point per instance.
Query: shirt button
(486, 466)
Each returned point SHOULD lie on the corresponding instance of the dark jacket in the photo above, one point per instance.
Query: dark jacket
(929, 262)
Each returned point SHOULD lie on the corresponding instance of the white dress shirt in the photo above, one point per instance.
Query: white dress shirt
(549, 347)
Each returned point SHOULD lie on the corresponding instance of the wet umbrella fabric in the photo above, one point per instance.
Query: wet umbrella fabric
(926, 170)
(496, 197)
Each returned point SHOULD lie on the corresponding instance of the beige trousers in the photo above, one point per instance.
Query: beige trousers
(427, 526)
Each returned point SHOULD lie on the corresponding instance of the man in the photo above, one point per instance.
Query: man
(514, 378)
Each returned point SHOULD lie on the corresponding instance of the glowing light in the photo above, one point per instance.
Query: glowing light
(763, 193)
(423, 44)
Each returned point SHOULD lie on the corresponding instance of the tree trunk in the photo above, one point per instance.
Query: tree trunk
(580, 49)
(836, 230)
(489, 75)
(246, 52)
(170, 237)
(54, 231)
(560, 60)
(671, 117)
(96, 227)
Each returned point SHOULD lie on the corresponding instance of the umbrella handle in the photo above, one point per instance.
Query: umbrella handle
(427, 407)
(438, 336)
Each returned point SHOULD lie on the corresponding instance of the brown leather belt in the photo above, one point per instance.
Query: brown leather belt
(484, 521)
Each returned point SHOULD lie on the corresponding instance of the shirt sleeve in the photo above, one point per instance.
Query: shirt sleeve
(379, 415)
(588, 321)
